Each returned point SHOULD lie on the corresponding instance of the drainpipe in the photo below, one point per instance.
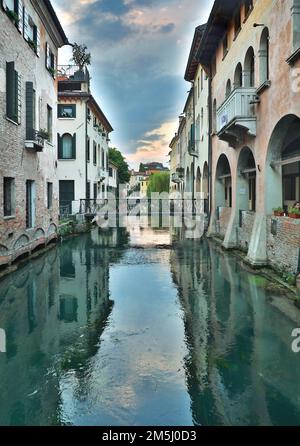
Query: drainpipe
(210, 130)
(194, 138)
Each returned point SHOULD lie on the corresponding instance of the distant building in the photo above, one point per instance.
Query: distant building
(153, 168)
(112, 177)
(30, 35)
(83, 139)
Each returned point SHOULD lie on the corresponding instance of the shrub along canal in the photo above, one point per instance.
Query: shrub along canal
(141, 327)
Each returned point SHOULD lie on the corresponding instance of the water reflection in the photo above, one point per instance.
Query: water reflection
(101, 332)
(240, 368)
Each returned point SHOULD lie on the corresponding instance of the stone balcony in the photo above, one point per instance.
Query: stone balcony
(236, 117)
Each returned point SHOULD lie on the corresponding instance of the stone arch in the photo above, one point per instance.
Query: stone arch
(246, 181)
(282, 174)
(264, 56)
(223, 183)
(52, 229)
(249, 68)
(39, 233)
(238, 76)
(21, 242)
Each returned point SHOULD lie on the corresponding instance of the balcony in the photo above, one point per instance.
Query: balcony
(35, 140)
(236, 116)
(176, 178)
(192, 148)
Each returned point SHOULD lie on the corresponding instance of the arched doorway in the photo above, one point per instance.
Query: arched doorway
(238, 76)
(282, 187)
(228, 88)
(264, 56)
(246, 181)
(205, 187)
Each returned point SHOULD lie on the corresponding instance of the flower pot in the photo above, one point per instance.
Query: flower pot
(295, 216)
(278, 214)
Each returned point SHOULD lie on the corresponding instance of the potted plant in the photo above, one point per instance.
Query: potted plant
(294, 213)
(13, 16)
(43, 134)
(51, 71)
(279, 212)
(32, 45)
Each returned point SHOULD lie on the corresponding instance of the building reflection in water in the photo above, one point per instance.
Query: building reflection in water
(53, 314)
(240, 368)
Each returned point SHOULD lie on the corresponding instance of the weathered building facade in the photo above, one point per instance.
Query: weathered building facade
(30, 35)
(251, 50)
(83, 140)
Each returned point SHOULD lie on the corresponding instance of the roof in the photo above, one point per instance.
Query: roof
(193, 62)
(56, 21)
(174, 140)
(90, 98)
(220, 16)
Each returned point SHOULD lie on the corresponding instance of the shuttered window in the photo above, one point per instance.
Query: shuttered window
(14, 10)
(50, 60)
(66, 147)
(8, 197)
(95, 154)
(32, 33)
(30, 111)
(13, 93)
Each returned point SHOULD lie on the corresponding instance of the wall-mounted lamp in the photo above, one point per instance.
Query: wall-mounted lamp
(255, 25)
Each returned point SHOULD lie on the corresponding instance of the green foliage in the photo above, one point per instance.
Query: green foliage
(295, 211)
(80, 56)
(118, 159)
(142, 168)
(159, 182)
(278, 210)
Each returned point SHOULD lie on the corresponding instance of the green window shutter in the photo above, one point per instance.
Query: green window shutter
(37, 39)
(74, 147)
(11, 91)
(74, 110)
(59, 110)
(19, 10)
(29, 111)
(59, 146)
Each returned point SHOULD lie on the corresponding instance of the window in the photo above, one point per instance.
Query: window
(110, 172)
(202, 79)
(13, 93)
(237, 22)
(225, 45)
(103, 159)
(264, 56)
(14, 10)
(66, 111)
(228, 88)
(95, 154)
(30, 112)
(88, 150)
(67, 147)
(249, 69)
(50, 60)
(238, 76)
(289, 188)
(49, 122)
(248, 7)
(31, 33)
(296, 24)
(89, 116)
(95, 191)
(49, 195)
(8, 197)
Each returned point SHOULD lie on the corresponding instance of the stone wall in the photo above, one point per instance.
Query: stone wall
(283, 243)
(244, 232)
(223, 221)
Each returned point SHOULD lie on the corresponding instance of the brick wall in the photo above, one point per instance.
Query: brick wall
(283, 245)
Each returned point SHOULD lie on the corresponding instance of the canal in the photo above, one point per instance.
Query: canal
(143, 327)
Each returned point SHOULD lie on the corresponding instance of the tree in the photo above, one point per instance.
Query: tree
(142, 168)
(159, 182)
(123, 169)
(80, 56)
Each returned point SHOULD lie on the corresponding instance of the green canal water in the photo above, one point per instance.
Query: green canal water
(142, 327)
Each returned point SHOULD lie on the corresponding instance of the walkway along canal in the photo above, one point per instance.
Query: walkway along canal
(142, 327)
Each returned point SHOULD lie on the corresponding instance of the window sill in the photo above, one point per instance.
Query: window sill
(66, 159)
(63, 118)
(294, 57)
(9, 217)
(49, 143)
(12, 121)
(264, 86)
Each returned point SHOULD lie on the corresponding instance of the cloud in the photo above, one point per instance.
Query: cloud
(139, 53)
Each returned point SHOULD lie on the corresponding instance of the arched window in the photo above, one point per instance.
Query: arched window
(66, 146)
(214, 116)
(249, 69)
(202, 123)
(228, 88)
(264, 56)
(238, 77)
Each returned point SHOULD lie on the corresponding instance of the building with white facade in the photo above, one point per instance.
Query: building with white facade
(30, 35)
(83, 140)
(112, 177)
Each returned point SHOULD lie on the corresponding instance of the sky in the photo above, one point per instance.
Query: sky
(139, 54)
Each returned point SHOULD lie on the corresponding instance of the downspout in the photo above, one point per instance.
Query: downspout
(210, 130)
